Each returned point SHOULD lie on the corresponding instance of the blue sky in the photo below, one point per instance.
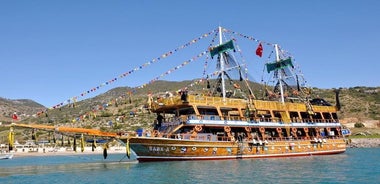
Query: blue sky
(52, 51)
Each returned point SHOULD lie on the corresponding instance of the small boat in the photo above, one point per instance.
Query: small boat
(226, 121)
(6, 156)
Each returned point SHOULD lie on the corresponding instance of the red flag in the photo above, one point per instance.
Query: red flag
(259, 50)
(14, 116)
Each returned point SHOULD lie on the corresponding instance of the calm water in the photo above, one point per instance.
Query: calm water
(354, 166)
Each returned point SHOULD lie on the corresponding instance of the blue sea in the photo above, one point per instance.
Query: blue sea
(360, 165)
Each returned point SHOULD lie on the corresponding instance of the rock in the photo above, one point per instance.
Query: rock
(364, 143)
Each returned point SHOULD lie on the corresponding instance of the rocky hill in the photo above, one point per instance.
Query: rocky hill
(24, 108)
(123, 108)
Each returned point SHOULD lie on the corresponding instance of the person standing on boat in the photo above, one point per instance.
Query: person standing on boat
(160, 119)
(183, 94)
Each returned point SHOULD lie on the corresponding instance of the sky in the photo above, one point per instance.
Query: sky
(52, 51)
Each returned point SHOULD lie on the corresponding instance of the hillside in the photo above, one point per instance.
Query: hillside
(123, 109)
(22, 107)
(357, 102)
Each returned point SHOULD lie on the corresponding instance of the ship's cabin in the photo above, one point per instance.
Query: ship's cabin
(198, 119)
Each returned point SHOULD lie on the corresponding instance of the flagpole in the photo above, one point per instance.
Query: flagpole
(280, 74)
(222, 65)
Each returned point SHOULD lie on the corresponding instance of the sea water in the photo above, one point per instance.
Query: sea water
(360, 165)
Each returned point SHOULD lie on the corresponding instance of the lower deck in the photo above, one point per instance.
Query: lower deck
(159, 149)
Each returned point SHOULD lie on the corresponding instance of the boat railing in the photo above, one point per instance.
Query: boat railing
(200, 99)
(301, 138)
(267, 140)
(274, 105)
(297, 120)
(184, 118)
(320, 121)
(203, 137)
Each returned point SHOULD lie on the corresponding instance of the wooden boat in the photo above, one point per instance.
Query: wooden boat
(216, 125)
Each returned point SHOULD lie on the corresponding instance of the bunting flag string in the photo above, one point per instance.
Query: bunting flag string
(74, 100)
(175, 68)
(198, 81)
(284, 53)
(249, 37)
(163, 56)
(213, 74)
(207, 57)
(258, 41)
(241, 55)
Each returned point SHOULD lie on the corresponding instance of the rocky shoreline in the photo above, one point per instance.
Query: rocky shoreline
(364, 143)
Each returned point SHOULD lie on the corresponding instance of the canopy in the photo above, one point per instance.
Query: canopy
(279, 64)
(222, 48)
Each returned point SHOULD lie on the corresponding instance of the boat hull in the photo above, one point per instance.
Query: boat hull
(163, 149)
(6, 156)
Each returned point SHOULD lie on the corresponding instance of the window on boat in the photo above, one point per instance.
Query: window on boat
(277, 115)
(233, 115)
(294, 116)
(209, 113)
(264, 115)
(186, 111)
(230, 113)
(317, 117)
(305, 117)
(327, 116)
(334, 115)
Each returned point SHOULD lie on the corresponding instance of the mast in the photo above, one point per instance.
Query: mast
(279, 74)
(221, 60)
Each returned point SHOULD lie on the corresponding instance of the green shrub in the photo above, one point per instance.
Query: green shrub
(359, 125)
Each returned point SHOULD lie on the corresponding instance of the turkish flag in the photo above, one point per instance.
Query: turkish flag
(259, 50)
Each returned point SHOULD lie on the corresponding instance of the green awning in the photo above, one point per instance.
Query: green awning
(279, 65)
(222, 48)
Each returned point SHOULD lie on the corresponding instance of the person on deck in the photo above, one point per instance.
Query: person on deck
(160, 119)
(184, 95)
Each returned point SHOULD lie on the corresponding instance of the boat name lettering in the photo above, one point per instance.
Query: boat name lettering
(158, 149)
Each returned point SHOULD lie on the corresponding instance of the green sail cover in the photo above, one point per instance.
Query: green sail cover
(222, 48)
(279, 65)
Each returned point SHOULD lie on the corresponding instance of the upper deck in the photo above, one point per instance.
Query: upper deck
(260, 105)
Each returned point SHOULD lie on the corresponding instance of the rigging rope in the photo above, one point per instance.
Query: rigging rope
(169, 53)
(163, 56)
(175, 68)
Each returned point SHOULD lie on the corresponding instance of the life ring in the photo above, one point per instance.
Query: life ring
(198, 128)
(214, 149)
(194, 148)
(247, 129)
(279, 129)
(173, 148)
(205, 149)
(294, 129)
(306, 129)
(227, 129)
(262, 129)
